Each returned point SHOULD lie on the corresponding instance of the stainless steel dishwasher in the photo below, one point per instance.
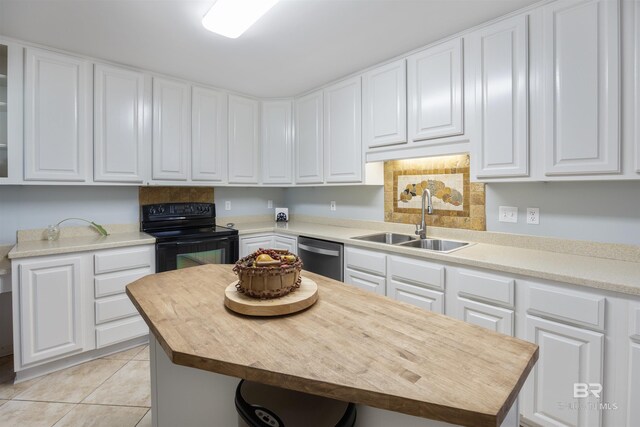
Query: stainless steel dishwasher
(322, 257)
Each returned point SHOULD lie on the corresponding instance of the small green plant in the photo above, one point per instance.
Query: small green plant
(98, 227)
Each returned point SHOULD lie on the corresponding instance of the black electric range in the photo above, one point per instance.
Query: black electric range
(187, 235)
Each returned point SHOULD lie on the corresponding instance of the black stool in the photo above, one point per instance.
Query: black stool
(260, 405)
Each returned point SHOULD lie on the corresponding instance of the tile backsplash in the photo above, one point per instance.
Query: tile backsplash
(457, 202)
(153, 195)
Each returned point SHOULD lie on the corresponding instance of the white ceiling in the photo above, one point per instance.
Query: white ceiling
(296, 46)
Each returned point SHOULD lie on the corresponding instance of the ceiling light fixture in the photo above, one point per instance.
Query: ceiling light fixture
(231, 18)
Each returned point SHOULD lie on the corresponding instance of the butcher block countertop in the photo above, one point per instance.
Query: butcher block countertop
(351, 345)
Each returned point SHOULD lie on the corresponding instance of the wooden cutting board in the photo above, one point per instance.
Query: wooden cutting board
(303, 297)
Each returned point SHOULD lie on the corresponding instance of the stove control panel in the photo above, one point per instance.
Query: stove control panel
(167, 211)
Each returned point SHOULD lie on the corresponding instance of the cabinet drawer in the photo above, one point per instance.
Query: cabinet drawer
(489, 287)
(566, 305)
(119, 331)
(417, 295)
(372, 262)
(365, 281)
(494, 318)
(114, 284)
(123, 259)
(113, 308)
(417, 272)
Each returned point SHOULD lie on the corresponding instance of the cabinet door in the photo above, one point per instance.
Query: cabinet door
(11, 112)
(277, 143)
(384, 105)
(208, 135)
(288, 243)
(501, 138)
(494, 318)
(249, 245)
(633, 411)
(568, 355)
(243, 140)
(57, 127)
(308, 139)
(171, 130)
(581, 87)
(365, 281)
(118, 125)
(342, 132)
(50, 302)
(416, 295)
(435, 92)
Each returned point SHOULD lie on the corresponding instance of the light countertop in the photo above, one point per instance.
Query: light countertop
(30, 248)
(600, 273)
(351, 345)
(5, 264)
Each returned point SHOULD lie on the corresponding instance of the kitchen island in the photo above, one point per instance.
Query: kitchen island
(402, 365)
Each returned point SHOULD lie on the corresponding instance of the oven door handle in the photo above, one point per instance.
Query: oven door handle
(183, 243)
(318, 250)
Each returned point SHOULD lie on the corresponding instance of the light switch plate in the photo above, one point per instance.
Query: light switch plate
(227, 205)
(508, 214)
(332, 205)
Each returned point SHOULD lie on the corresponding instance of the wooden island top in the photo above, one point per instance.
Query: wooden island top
(351, 345)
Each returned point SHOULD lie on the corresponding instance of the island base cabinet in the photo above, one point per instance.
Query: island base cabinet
(568, 355)
(49, 306)
(189, 397)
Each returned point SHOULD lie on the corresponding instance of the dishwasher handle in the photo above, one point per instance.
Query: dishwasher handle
(318, 250)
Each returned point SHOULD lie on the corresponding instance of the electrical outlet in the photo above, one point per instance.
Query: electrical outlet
(332, 205)
(269, 204)
(508, 214)
(227, 205)
(533, 215)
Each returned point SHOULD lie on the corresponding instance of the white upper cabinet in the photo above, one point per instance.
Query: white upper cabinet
(277, 142)
(244, 134)
(384, 105)
(581, 87)
(500, 140)
(57, 128)
(171, 130)
(343, 160)
(208, 135)
(435, 90)
(308, 139)
(118, 136)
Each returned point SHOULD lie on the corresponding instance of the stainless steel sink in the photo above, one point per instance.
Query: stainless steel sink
(388, 238)
(435, 245)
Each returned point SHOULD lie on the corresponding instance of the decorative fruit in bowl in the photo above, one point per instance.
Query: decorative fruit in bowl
(268, 273)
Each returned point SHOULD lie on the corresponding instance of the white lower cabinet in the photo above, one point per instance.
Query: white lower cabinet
(64, 305)
(568, 355)
(365, 281)
(633, 412)
(251, 243)
(50, 311)
(286, 243)
(497, 319)
(416, 295)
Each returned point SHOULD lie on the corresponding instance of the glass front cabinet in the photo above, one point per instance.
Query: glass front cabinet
(10, 112)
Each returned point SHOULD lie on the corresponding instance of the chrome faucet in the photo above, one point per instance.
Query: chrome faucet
(421, 229)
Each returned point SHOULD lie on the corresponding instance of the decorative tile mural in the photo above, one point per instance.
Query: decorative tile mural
(153, 195)
(457, 203)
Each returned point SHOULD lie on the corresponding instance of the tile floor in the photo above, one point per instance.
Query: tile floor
(113, 391)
